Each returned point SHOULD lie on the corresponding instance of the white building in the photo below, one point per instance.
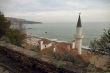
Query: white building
(78, 36)
(44, 43)
(62, 45)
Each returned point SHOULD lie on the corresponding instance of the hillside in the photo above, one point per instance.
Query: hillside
(21, 21)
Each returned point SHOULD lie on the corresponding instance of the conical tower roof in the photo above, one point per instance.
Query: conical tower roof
(79, 22)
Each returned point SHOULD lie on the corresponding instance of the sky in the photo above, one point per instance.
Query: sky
(57, 10)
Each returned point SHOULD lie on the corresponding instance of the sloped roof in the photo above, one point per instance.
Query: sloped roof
(45, 41)
(63, 46)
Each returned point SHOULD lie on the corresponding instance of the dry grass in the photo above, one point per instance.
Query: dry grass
(100, 61)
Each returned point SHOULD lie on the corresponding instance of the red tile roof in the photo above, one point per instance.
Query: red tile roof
(45, 41)
(47, 51)
(62, 47)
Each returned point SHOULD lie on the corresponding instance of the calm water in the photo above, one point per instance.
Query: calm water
(66, 31)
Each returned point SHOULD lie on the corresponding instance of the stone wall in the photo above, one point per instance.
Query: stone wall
(24, 61)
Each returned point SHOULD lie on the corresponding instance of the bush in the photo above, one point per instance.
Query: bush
(63, 57)
(35, 48)
(4, 25)
(16, 36)
(101, 46)
(66, 56)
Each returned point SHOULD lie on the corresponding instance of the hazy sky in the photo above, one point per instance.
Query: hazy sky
(57, 10)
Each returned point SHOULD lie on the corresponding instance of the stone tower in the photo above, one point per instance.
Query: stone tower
(78, 36)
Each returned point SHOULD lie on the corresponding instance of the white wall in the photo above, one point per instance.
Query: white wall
(78, 40)
(43, 46)
(73, 45)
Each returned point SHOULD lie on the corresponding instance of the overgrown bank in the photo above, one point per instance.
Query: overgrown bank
(8, 34)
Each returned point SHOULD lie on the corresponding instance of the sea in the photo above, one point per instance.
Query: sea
(65, 31)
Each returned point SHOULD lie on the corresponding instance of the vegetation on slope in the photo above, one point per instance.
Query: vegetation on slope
(101, 46)
(14, 36)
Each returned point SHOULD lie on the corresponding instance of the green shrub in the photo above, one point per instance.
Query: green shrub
(4, 25)
(16, 36)
(66, 56)
(101, 46)
(35, 48)
(63, 57)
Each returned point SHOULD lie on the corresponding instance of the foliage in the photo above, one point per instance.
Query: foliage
(102, 45)
(4, 25)
(65, 56)
(14, 36)
(35, 48)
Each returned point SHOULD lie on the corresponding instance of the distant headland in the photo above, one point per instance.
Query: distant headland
(21, 21)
